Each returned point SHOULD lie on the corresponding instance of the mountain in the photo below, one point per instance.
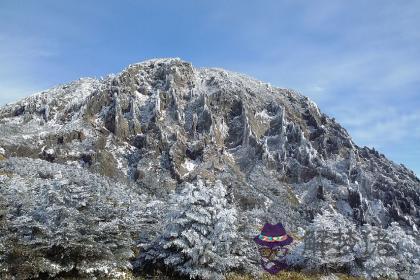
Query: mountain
(89, 168)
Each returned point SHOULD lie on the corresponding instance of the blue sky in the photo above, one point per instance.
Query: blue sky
(358, 60)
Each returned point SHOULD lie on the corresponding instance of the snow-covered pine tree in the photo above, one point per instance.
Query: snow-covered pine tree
(200, 233)
(331, 241)
(389, 253)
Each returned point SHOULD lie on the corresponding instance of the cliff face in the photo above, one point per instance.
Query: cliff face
(163, 122)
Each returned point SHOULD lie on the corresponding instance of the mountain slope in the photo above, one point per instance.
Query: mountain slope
(161, 123)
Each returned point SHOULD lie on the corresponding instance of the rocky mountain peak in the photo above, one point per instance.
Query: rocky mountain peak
(162, 123)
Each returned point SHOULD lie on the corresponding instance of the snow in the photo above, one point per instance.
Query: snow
(49, 151)
(223, 128)
(58, 175)
(144, 95)
(300, 232)
(141, 97)
(263, 114)
(201, 229)
(329, 277)
(189, 165)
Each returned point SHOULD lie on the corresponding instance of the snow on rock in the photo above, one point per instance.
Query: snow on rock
(189, 165)
(163, 123)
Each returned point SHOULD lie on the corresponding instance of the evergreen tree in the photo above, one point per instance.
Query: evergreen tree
(331, 241)
(200, 233)
(390, 253)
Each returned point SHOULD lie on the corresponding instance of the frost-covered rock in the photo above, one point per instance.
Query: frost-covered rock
(160, 124)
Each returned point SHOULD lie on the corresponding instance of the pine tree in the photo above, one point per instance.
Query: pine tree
(200, 233)
(331, 241)
(391, 253)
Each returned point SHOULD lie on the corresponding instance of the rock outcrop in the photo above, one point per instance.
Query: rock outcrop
(161, 123)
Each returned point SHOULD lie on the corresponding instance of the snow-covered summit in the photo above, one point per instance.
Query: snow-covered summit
(163, 123)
